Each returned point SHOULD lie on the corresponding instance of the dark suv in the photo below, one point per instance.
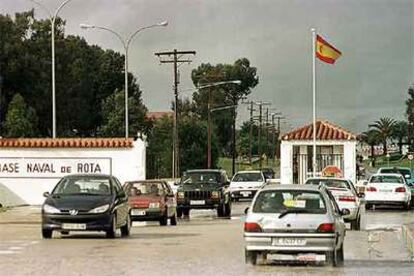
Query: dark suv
(204, 189)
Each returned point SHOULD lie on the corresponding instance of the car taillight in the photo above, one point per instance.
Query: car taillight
(252, 227)
(326, 228)
(400, 190)
(371, 189)
(347, 198)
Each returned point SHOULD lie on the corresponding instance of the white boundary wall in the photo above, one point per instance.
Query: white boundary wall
(29, 172)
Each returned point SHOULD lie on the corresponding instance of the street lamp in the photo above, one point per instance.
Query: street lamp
(125, 43)
(238, 82)
(52, 18)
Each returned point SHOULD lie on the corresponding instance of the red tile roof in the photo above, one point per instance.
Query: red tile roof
(159, 114)
(324, 131)
(66, 143)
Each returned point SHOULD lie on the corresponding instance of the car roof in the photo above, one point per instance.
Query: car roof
(387, 174)
(89, 175)
(394, 168)
(146, 181)
(255, 171)
(327, 178)
(206, 170)
(298, 187)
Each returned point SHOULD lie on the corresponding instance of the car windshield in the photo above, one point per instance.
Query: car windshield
(83, 185)
(201, 177)
(145, 188)
(330, 183)
(248, 177)
(405, 172)
(386, 179)
(289, 200)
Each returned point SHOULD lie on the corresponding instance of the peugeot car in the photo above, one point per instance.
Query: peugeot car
(86, 203)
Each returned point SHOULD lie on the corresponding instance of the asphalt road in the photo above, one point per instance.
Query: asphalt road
(202, 245)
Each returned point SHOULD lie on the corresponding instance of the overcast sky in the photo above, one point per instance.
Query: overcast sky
(369, 81)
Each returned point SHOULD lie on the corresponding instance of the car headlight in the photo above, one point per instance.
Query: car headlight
(100, 209)
(50, 209)
(215, 194)
(180, 195)
(154, 205)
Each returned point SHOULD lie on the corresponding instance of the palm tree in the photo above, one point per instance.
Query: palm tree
(372, 138)
(400, 132)
(385, 127)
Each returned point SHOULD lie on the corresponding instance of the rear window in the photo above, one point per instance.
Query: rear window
(406, 173)
(386, 179)
(247, 177)
(330, 183)
(282, 200)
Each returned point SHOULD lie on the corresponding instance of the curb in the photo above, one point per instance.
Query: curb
(408, 236)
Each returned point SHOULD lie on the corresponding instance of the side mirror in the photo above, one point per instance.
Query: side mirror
(121, 194)
(246, 210)
(345, 212)
(46, 194)
(361, 195)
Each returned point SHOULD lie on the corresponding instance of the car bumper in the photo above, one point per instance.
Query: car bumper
(243, 193)
(391, 198)
(353, 215)
(267, 242)
(91, 222)
(148, 215)
(199, 203)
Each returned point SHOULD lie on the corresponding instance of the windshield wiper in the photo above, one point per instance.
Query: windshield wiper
(293, 211)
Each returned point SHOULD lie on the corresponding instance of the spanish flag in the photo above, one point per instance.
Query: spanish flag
(325, 51)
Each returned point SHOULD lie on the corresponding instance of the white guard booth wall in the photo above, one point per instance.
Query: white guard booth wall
(30, 167)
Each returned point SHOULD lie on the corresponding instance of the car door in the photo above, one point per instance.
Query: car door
(121, 202)
(339, 221)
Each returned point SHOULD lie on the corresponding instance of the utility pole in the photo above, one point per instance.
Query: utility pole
(260, 104)
(175, 57)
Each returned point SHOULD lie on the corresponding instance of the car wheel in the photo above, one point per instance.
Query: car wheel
(356, 224)
(163, 220)
(407, 206)
(126, 229)
(47, 233)
(186, 212)
(179, 212)
(220, 210)
(251, 257)
(339, 258)
(110, 233)
(173, 220)
(368, 206)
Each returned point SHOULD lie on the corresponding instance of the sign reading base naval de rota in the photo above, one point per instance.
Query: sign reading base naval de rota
(29, 167)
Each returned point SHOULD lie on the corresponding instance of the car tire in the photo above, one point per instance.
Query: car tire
(227, 210)
(250, 257)
(186, 213)
(220, 210)
(368, 206)
(164, 220)
(356, 224)
(179, 212)
(173, 220)
(126, 229)
(407, 206)
(47, 233)
(110, 233)
(339, 258)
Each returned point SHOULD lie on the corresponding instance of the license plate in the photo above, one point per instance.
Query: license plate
(288, 241)
(385, 190)
(197, 202)
(245, 194)
(136, 212)
(310, 258)
(74, 226)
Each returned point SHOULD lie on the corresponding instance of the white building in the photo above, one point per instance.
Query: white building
(334, 146)
(29, 167)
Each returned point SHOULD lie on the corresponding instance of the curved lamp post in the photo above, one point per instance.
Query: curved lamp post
(125, 44)
(52, 18)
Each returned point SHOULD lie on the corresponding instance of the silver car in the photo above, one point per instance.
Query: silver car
(346, 197)
(295, 223)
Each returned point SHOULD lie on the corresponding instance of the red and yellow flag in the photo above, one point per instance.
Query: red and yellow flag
(325, 51)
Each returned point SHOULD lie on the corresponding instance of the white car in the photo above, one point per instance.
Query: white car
(245, 184)
(346, 196)
(294, 223)
(387, 189)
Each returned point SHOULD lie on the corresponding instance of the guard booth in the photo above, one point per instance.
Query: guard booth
(335, 146)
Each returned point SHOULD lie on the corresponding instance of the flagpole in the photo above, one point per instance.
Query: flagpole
(313, 30)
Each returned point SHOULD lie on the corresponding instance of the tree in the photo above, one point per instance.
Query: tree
(229, 94)
(21, 119)
(113, 113)
(400, 133)
(385, 127)
(372, 138)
